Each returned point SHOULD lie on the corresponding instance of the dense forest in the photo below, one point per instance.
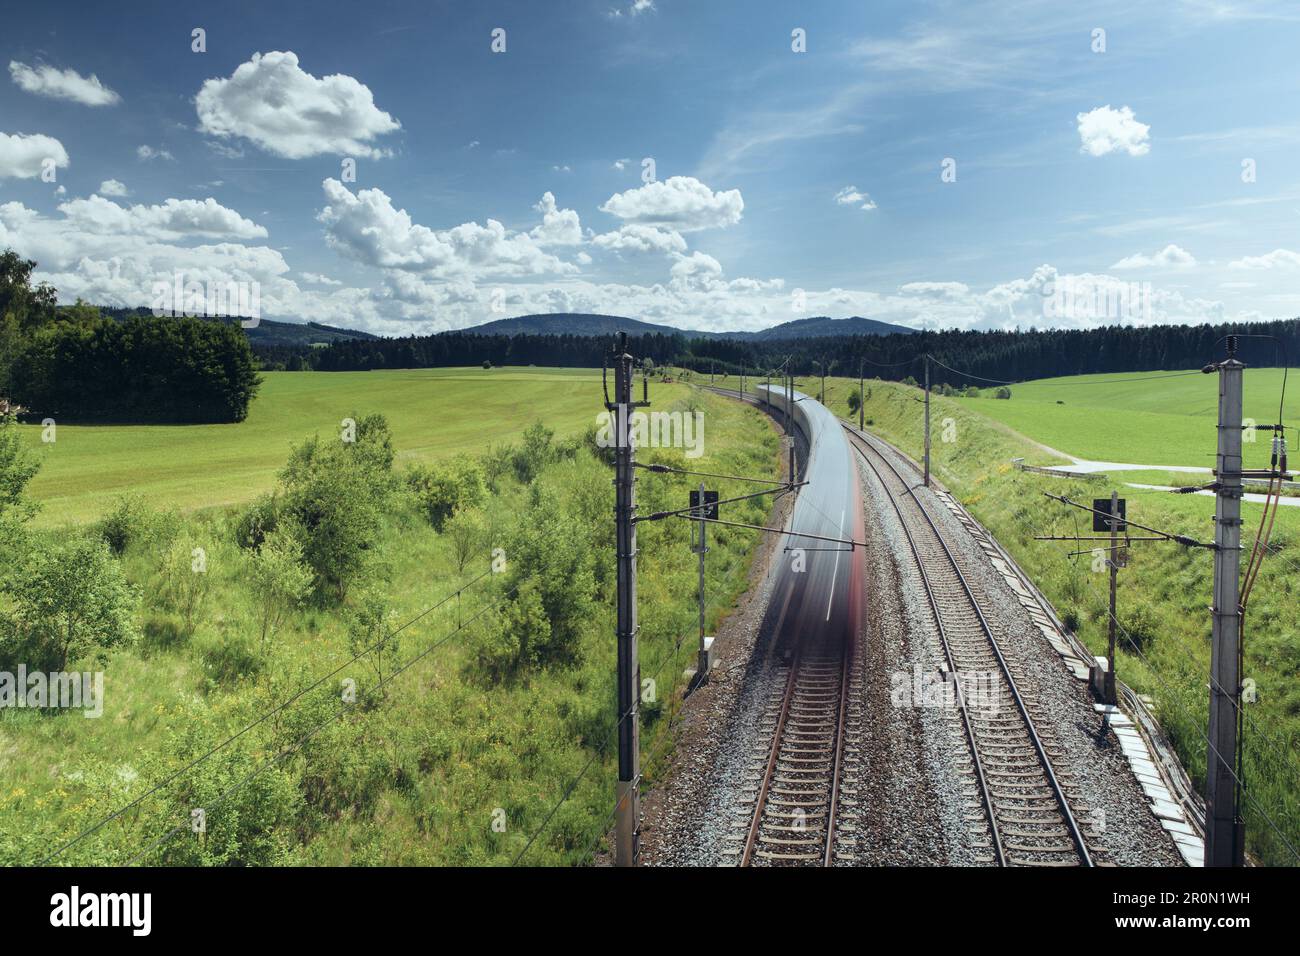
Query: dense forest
(997, 356)
(73, 363)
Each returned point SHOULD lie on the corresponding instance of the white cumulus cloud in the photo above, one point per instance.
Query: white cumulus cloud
(1171, 257)
(560, 227)
(45, 80)
(635, 237)
(285, 110)
(1105, 130)
(681, 203)
(315, 278)
(174, 219)
(112, 187)
(366, 227)
(1277, 259)
(23, 155)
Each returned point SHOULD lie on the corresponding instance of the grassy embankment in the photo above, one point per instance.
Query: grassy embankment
(456, 764)
(1165, 591)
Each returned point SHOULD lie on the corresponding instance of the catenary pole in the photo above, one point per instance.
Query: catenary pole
(628, 810)
(927, 419)
(1224, 832)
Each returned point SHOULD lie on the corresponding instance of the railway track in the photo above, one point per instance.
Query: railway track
(793, 822)
(1022, 814)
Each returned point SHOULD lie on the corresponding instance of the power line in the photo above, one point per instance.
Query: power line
(600, 752)
(260, 720)
(993, 381)
(302, 742)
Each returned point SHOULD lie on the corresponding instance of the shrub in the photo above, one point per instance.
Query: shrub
(72, 599)
(497, 462)
(1002, 392)
(972, 392)
(249, 812)
(445, 488)
(535, 453)
(335, 494)
(370, 633)
(126, 523)
(185, 583)
(257, 521)
(467, 531)
(278, 579)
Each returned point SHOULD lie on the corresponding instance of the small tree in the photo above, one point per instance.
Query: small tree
(854, 402)
(535, 453)
(972, 392)
(71, 599)
(185, 582)
(466, 530)
(335, 491)
(278, 578)
(1002, 392)
(370, 633)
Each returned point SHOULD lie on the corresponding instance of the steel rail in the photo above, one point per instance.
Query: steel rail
(861, 442)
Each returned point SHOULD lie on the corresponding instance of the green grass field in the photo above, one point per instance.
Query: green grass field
(1144, 417)
(434, 413)
(454, 766)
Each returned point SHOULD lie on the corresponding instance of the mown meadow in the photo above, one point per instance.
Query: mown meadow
(394, 647)
(436, 413)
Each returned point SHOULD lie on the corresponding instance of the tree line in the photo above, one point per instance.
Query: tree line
(996, 356)
(72, 362)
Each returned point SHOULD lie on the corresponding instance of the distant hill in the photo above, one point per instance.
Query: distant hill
(269, 332)
(822, 325)
(574, 323)
(571, 323)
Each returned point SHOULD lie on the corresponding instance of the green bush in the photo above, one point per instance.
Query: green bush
(184, 584)
(71, 599)
(535, 453)
(447, 487)
(257, 521)
(335, 493)
(127, 523)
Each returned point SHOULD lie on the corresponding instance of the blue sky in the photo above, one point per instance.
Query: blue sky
(784, 183)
